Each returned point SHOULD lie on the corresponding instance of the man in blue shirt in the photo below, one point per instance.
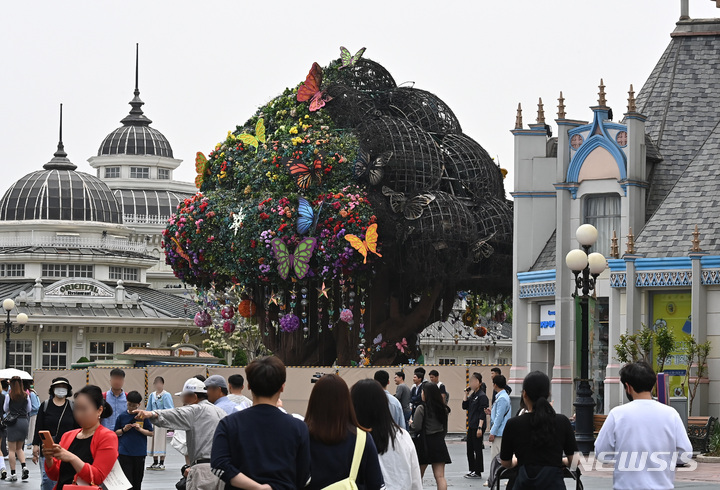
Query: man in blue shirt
(116, 397)
(217, 392)
(261, 442)
(132, 440)
(396, 410)
(499, 415)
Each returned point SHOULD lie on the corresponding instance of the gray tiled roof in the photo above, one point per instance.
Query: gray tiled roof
(546, 259)
(681, 99)
(154, 304)
(694, 200)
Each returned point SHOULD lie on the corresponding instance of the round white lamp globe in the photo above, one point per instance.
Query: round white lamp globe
(597, 263)
(576, 260)
(586, 235)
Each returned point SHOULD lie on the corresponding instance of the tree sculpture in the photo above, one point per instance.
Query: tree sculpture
(343, 217)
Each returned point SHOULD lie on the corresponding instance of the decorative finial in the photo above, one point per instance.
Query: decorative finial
(631, 100)
(541, 112)
(696, 241)
(602, 102)
(561, 106)
(630, 243)
(136, 116)
(614, 250)
(60, 148)
(518, 117)
(60, 160)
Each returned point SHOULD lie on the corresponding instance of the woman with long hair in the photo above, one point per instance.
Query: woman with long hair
(334, 431)
(429, 426)
(17, 405)
(398, 459)
(538, 439)
(87, 453)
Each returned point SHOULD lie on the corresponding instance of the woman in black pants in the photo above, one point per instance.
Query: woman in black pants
(475, 402)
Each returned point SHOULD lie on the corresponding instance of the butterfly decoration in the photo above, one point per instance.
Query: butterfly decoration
(323, 291)
(202, 167)
(180, 251)
(310, 89)
(411, 208)
(482, 249)
(303, 173)
(307, 216)
(402, 345)
(377, 340)
(371, 169)
(367, 245)
(298, 262)
(349, 60)
(259, 137)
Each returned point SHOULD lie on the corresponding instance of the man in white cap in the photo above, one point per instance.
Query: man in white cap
(199, 418)
(217, 392)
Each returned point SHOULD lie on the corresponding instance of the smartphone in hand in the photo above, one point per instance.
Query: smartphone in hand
(46, 438)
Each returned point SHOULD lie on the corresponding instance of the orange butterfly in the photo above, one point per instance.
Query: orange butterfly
(310, 89)
(182, 253)
(367, 245)
(303, 173)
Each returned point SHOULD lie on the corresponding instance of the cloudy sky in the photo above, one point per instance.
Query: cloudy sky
(206, 66)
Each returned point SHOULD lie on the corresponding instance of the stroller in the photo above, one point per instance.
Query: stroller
(498, 472)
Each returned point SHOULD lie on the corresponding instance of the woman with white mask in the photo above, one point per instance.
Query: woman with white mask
(55, 415)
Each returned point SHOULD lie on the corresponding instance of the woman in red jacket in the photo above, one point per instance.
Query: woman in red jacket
(91, 443)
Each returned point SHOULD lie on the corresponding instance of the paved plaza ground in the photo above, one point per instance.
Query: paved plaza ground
(705, 476)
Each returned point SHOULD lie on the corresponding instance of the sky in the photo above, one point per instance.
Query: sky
(206, 66)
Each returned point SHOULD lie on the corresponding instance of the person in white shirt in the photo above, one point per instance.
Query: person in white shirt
(644, 439)
(236, 384)
(396, 451)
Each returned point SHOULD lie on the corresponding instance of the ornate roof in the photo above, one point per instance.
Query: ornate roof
(58, 192)
(135, 136)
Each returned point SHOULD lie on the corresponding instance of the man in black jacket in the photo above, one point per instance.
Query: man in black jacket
(475, 402)
(416, 392)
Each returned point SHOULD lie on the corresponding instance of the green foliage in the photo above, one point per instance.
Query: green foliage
(695, 354)
(635, 347)
(640, 346)
(714, 443)
(664, 344)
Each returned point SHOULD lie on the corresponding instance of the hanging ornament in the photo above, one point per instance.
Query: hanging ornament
(227, 312)
(203, 319)
(229, 326)
(303, 310)
(247, 308)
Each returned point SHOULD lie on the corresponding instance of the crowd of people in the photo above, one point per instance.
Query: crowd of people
(350, 437)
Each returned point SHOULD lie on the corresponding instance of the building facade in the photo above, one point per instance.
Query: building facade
(82, 255)
(648, 181)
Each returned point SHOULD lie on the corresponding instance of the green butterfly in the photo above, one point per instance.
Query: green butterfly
(348, 60)
(259, 137)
